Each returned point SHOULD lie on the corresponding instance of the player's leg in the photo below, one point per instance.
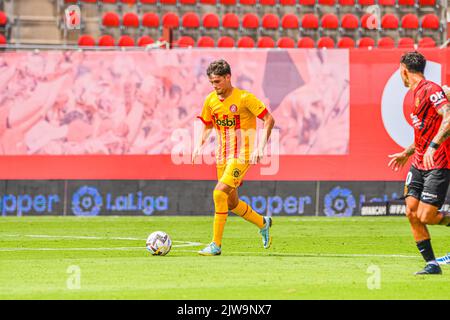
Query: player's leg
(245, 211)
(414, 187)
(220, 196)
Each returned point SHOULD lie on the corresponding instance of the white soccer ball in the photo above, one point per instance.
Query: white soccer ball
(159, 243)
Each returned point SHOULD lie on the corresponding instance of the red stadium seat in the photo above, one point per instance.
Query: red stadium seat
(307, 2)
(265, 42)
(346, 42)
(386, 42)
(230, 21)
(406, 43)
(369, 21)
(145, 41)
(327, 2)
(366, 42)
(205, 42)
(247, 2)
(245, 42)
(270, 21)
(410, 21)
(389, 21)
(424, 3)
(407, 2)
(427, 42)
(225, 42)
(329, 21)
(310, 21)
(150, 20)
(170, 20)
(86, 41)
(271, 3)
(387, 3)
(130, 20)
(288, 2)
(108, 1)
(250, 21)
(211, 21)
(3, 19)
(126, 41)
(190, 20)
(289, 21)
(185, 42)
(430, 21)
(285, 42)
(345, 3)
(106, 41)
(325, 42)
(2, 39)
(168, 2)
(188, 2)
(366, 2)
(349, 21)
(228, 2)
(208, 2)
(306, 42)
(128, 2)
(111, 20)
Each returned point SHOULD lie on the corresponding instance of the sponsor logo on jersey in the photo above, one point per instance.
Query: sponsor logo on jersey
(437, 98)
(416, 121)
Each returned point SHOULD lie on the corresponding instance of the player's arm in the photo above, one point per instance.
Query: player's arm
(442, 135)
(269, 122)
(398, 160)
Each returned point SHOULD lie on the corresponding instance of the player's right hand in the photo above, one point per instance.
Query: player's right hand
(398, 160)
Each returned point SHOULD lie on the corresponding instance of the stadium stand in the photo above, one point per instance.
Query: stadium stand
(285, 22)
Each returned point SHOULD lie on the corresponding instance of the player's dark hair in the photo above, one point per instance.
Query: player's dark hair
(414, 61)
(218, 68)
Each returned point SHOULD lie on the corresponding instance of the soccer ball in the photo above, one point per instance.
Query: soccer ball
(159, 243)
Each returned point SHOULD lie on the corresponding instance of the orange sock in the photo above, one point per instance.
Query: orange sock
(246, 212)
(220, 217)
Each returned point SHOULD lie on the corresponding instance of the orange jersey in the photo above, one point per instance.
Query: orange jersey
(235, 121)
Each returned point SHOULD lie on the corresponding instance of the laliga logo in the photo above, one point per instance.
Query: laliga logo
(392, 100)
(72, 17)
(87, 201)
(339, 202)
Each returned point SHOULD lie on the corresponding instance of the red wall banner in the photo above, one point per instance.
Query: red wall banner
(347, 106)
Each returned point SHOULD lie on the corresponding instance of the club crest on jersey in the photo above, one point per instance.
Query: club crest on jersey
(417, 102)
(233, 108)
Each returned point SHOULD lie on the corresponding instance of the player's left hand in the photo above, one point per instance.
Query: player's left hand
(256, 156)
(428, 160)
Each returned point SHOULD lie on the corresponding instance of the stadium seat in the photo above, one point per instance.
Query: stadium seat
(290, 25)
(86, 41)
(270, 25)
(130, 20)
(369, 22)
(326, 6)
(349, 21)
(265, 42)
(389, 21)
(309, 25)
(250, 24)
(325, 42)
(230, 25)
(387, 6)
(145, 41)
(150, 20)
(129, 2)
(267, 6)
(126, 41)
(285, 42)
(346, 42)
(366, 42)
(406, 42)
(430, 21)
(111, 20)
(288, 6)
(225, 42)
(228, 6)
(307, 6)
(190, 20)
(2, 39)
(185, 6)
(205, 42)
(170, 20)
(306, 42)
(346, 6)
(106, 41)
(3, 19)
(410, 21)
(211, 21)
(245, 42)
(185, 42)
(386, 43)
(427, 42)
(329, 21)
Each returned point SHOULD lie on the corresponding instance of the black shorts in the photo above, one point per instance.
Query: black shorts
(428, 186)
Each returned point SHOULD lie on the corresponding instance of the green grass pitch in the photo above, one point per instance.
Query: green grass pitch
(310, 258)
